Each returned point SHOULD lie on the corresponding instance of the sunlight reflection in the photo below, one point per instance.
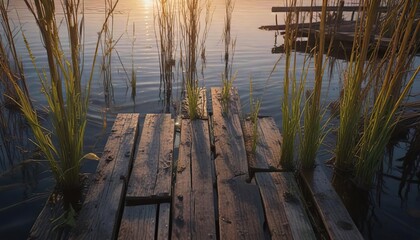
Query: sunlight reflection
(147, 3)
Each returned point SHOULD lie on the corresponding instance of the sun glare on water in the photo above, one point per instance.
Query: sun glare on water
(147, 2)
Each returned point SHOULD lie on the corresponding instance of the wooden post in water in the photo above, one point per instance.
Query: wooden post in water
(340, 11)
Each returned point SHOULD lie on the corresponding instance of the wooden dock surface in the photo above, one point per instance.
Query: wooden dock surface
(205, 185)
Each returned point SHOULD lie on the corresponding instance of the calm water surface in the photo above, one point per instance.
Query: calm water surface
(393, 218)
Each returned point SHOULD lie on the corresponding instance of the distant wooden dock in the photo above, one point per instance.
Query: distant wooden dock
(339, 32)
(204, 184)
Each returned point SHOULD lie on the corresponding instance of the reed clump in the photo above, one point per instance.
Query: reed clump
(380, 120)
(312, 135)
(353, 96)
(293, 88)
(193, 35)
(165, 16)
(67, 101)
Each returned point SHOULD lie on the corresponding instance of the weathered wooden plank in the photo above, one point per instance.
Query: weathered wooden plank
(145, 222)
(282, 27)
(241, 213)
(193, 201)
(319, 9)
(240, 208)
(267, 154)
(201, 105)
(228, 136)
(334, 215)
(164, 221)
(151, 176)
(284, 209)
(101, 210)
(138, 222)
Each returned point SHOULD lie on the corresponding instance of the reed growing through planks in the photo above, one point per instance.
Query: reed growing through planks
(293, 88)
(227, 76)
(380, 120)
(193, 32)
(62, 146)
(255, 106)
(353, 96)
(312, 135)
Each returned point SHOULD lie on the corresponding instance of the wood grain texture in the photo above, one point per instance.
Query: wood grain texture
(240, 208)
(335, 217)
(266, 157)
(241, 215)
(228, 137)
(101, 210)
(284, 209)
(145, 222)
(164, 221)
(193, 201)
(151, 177)
(138, 222)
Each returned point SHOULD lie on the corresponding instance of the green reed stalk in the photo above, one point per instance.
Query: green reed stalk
(352, 99)
(193, 94)
(312, 131)
(381, 119)
(293, 88)
(227, 84)
(255, 106)
(63, 144)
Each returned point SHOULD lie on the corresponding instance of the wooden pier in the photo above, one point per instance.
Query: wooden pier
(339, 32)
(203, 183)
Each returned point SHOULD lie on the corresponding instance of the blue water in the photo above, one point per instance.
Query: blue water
(253, 59)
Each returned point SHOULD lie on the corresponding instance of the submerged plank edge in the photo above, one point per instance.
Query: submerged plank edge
(331, 209)
(284, 210)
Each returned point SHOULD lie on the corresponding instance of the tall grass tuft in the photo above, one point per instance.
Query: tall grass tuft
(62, 146)
(193, 32)
(312, 132)
(381, 119)
(293, 88)
(353, 97)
